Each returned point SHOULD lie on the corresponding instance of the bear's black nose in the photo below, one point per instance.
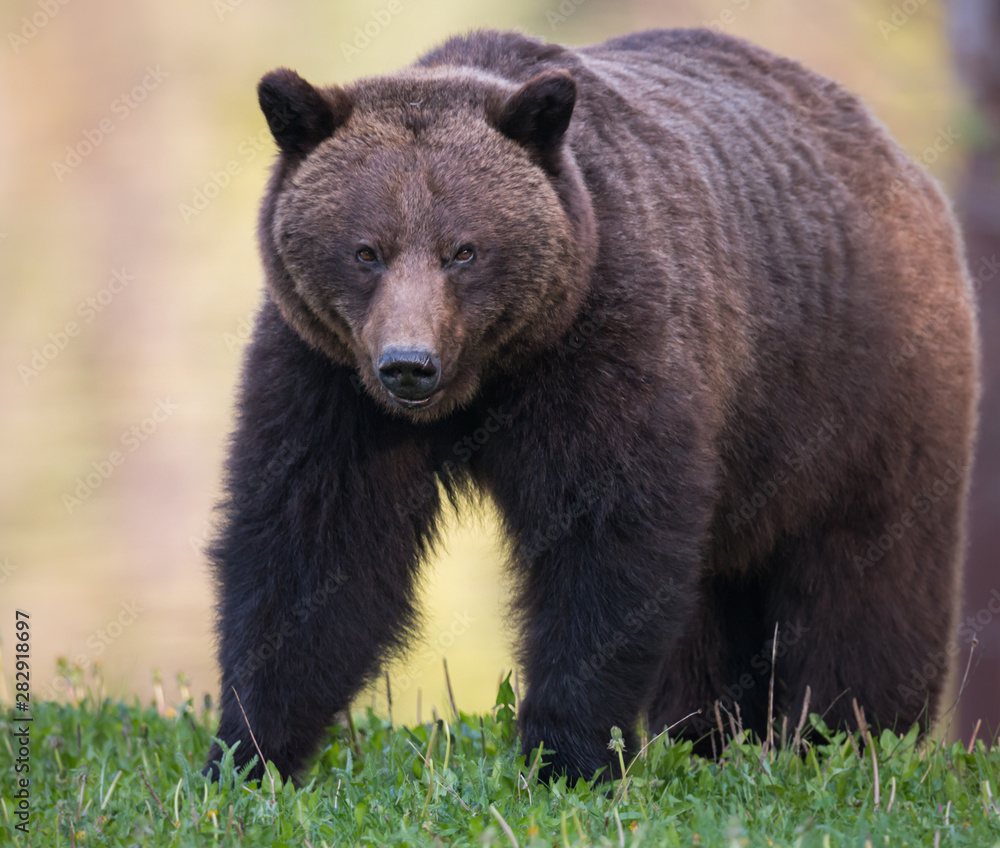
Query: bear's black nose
(409, 374)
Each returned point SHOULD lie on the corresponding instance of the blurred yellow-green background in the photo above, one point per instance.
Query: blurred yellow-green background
(132, 158)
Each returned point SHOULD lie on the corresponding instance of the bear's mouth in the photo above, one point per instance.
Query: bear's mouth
(414, 403)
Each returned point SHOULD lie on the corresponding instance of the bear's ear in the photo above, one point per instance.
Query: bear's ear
(299, 115)
(537, 114)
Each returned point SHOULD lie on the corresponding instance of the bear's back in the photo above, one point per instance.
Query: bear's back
(733, 161)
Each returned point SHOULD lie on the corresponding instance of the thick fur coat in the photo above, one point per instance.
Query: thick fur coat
(688, 315)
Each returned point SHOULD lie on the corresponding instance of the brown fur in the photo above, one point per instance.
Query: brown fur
(698, 272)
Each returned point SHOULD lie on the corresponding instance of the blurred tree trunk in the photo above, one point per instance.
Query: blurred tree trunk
(975, 31)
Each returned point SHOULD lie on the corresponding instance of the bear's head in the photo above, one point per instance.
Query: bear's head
(429, 229)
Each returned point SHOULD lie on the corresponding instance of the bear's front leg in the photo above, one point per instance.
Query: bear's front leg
(609, 518)
(328, 502)
(600, 614)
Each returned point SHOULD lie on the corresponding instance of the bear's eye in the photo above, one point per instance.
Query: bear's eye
(464, 254)
(366, 254)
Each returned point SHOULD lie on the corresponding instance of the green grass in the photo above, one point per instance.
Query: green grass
(114, 774)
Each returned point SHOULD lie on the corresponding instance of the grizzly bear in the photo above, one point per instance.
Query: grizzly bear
(690, 318)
